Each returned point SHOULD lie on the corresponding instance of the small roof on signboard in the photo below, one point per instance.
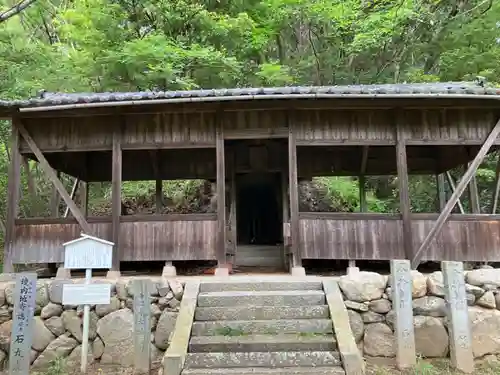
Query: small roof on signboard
(85, 237)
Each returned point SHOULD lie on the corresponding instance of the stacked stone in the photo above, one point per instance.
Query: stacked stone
(57, 329)
(368, 298)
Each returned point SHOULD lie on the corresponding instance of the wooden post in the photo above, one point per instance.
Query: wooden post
(221, 196)
(44, 164)
(116, 194)
(404, 194)
(13, 193)
(494, 203)
(84, 197)
(155, 161)
(72, 195)
(451, 182)
(473, 191)
(54, 199)
(441, 192)
(458, 318)
(438, 225)
(402, 302)
(294, 198)
(159, 196)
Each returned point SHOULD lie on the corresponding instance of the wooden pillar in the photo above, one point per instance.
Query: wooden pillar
(404, 194)
(13, 193)
(84, 198)
(116, 196)
(159, 196)
(294, 198)
(475, 206)
(221, 196)
(451, 182)
(441, 192)
(232, 212)
(55, 199)
(496, 192)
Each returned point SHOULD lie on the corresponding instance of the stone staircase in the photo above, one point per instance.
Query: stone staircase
(262, 328)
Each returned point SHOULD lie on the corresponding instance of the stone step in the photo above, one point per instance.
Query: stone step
(271, 285)
(261, 313)
(261, 359)
(262, 298)
(262, 343)
(334, 370)
(264, 327)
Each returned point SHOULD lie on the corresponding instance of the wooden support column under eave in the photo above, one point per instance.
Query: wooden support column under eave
(13, 193)
(294, 202)
(221, 201)
(116, 196)
(404, 194)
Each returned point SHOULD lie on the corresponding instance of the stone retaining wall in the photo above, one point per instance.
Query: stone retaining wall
(367, 296)
(58, 329)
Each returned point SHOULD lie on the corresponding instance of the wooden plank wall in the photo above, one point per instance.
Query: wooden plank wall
(376, 127)
(152, 238)
(371, 236)
(313, 126)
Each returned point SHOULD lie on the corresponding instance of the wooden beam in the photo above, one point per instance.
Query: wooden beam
(155, 162)
(72, 195)
(54, 199)
(438, 225)
(473, 191)
(13, 193)
(44, 164)
(84, 197)
(496, 193)
(362, 181)
(451, 182)
(221, 194)
(364, 160)
(294, 197)
(404, 193)
(441, 192)
(116, 196)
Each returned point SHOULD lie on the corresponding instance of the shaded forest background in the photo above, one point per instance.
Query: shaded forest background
(130, 45)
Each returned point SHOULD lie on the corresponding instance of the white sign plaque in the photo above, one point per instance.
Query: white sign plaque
(88, 252)
(86, 294)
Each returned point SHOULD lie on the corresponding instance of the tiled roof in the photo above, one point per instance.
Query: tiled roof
(467, 89)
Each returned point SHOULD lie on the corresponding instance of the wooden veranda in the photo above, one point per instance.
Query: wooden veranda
(292, 133)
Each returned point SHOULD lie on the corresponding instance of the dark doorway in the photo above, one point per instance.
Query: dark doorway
(259, 211)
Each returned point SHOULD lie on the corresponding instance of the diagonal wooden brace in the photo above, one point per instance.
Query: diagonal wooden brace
(462, 185)
(44, 164)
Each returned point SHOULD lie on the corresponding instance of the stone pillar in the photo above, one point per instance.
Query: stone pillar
(401, 283)
(458, 317)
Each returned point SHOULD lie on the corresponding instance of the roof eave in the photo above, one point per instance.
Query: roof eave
(213, 99)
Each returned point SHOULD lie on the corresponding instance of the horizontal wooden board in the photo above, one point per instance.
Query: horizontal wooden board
(376, 238)
(140, 241)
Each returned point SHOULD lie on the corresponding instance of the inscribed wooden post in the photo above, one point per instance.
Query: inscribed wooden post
(402, 304)
(458, 317)
(22, 335)
(142, 327)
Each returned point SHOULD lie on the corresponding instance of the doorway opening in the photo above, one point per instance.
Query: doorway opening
(259, 221)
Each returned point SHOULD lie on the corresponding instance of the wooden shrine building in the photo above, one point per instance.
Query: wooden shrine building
(256, 144)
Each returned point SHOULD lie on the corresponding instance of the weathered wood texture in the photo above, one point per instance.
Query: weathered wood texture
(142, 238)
(419, 126)
(197, 129)
(371, 236)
